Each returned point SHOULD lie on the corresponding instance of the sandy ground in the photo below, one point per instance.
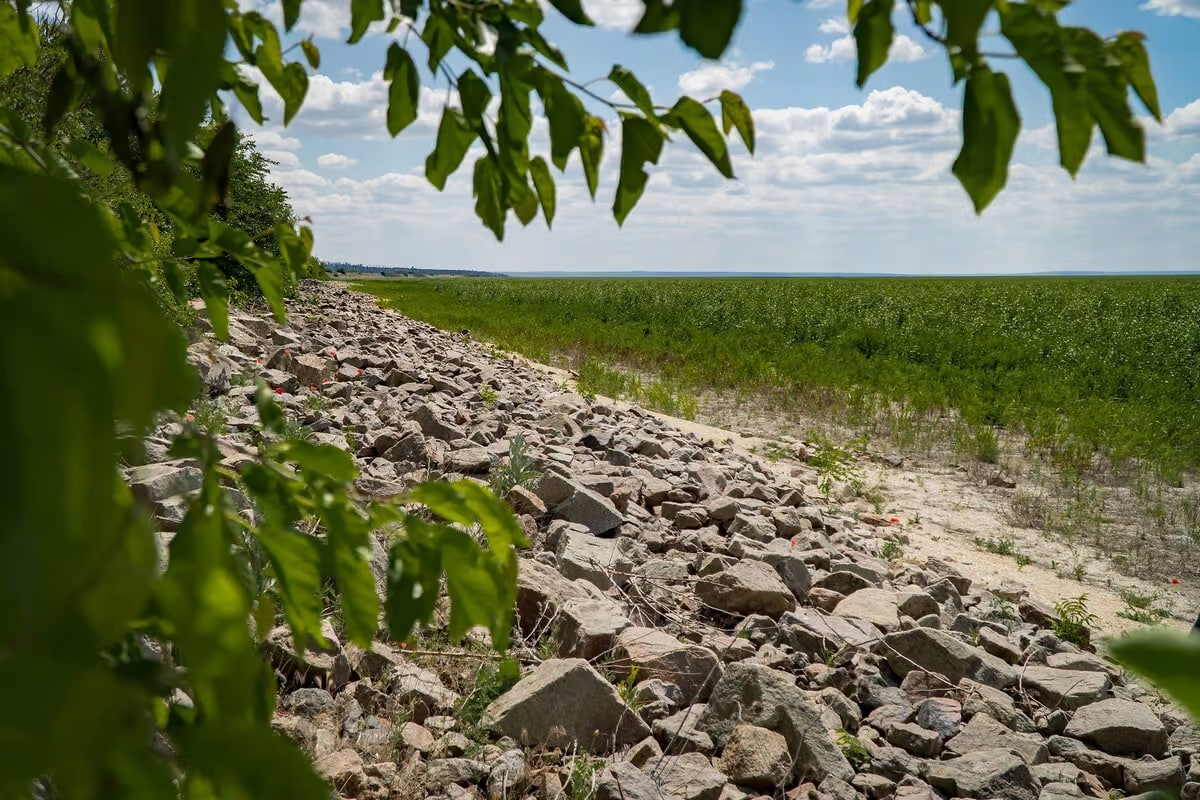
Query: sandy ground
(943, 511)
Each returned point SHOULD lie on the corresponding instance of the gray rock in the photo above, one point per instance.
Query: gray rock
(993, 773)
(344, 771)
(1061, 791)
(443, 772)
(814, 633)
(748, 587)
(678, 733)
(915, 739)
(588, 628)
(999, 645)
(1062, 688)
(941, 714)
(940, 652)
(689, 776)
(597, 561)
(983, 732)
(1119, 727)
(507, 776)
(1154, 776)
(590, 509)
(565, 702)
(757, 758)
(622, 780)
(755, 694)
(656, 654)
(469, 461)
(152, 483)
(876, 606)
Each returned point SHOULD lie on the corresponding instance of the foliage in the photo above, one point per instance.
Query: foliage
(488, 396)
(520, 469)
(852, 748)
(1079, 365)
(999, 545)
(581, 783)
(1074, 620)
(80, 263)
(1142, 608)
(1171, 661)
(891, 550)
(492, 680)
(834, 465)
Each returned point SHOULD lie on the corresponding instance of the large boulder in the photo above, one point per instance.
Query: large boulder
(994, 773)
(563, 703)
(936, 651)
(816, 634)
(689, 776)
(747, 587)
(657, 654)
(756, 757)
(588, 628)
(543, 591)
(983, 733)
(755, 694)
(876, 606)
(598, 561)
(621, 780)
(1120, 727)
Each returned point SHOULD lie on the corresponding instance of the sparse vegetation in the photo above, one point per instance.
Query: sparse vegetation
(488, 396)
(518, 469)
(834, 465)
(891, 550)
(852, 748)
(1074, 620)
(1142, 608)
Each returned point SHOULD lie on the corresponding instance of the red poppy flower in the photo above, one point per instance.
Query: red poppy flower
(360, 372)
(325, 380)
(278, 390)
(1175, 580)
(259, 360)
(312, 388)
(894, 520)
(287, 352)
(333, 354)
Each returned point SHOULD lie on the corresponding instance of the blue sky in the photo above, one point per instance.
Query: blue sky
(843, 180)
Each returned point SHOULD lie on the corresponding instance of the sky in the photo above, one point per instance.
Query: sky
(842, 180)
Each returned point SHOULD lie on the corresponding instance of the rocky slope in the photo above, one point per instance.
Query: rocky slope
(694, 626)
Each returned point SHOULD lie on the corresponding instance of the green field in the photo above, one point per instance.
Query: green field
(1077, 365)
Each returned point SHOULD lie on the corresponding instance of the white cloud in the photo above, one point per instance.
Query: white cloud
(273, 139)
(335, 161)
(835, 26)
(818, 4)
(283, 158)
(1173, 8)
(1184, 121)
(903, 50)
(712, 78)
(620, 15)
(324, 19)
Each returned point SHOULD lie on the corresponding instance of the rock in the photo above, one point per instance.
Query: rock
(1061, 791)
(915, 739)
(941, 714)
(755, 694)
(980, 699)
(689, 776)
(344, 771)
(1063, 688)
(417, 737)
(983, 732)
(597, 561)
(506, 778)
(748, 587)
(1110, 769)
(420, 690)
(678, 733)
(994, 773)
(542, 592)
(565, 702)
(588, 628)
(916, 604)
(940, 652)
(999, 645)
(757, 758)
(589, 509)
(441, 773)
(1119, 727)
(876, 606)
(524, 501)
(622, 780)
(657, 654)
(843, 582)
(812, 632)
(153, 483)
(468, 461)
(1154, 776)
(307, 702)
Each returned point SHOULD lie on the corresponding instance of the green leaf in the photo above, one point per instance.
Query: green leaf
(572, 10)
(658, 17)
(18, 40)
(1038, 40)
(853, 9)
(268, 272)
(242, 760)
(454, 138)
(404, 91)
(414, 576)
(707, 26)
(216, 297)
(64, 90)
(627, 82)
(319, 459)
(641, 142)
(215, 169)
(699, 126)
(91, 157)
(591, 150)
(468, 503)
(522, 200)
(1171, 661)
(296, 559)
(291, 14)
(197, 50)
(543, 182)
(873, 36)
(438, 37)
(990, 128)
(1107, 98)
(1129, 48)
(362, 14)
(566, 116)
(488, 206)
(295, 247)
(270, 414)
(312, 54)
(475, 95)
(349, 551)
(736, 114)
(963, 18)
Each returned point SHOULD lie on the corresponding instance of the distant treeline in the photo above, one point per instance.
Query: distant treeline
(342, 267)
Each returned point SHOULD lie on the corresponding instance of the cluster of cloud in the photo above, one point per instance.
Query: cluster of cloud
(1173, 8)
(904, 49)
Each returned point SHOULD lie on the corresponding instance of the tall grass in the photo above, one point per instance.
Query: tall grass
(1079, 366)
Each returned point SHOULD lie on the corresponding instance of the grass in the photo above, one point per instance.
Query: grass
(1078, 365)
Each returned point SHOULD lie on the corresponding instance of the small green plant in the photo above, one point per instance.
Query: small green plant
(1074, 620)
(519, 469)
(493, 679)
(1023, 560)
(547, 645)
(834, 465)
(1001, 545)
(891, 550)
(852, 748)
(1142, 608)
(488, 395)
(209, 416)
(581, 785)
(627, 689)
(352, 441)
(915, 519)
(316, 403)
(774, 451)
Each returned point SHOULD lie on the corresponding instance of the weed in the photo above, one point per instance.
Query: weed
(774, 451)
(489, 396)
(209, 416)
(1074, 620)
(1022, 560)
(891, 550)
(915, 519)
(581, 785)
(492, 680)
(1029, 510)
(1001, 545)
(352, 441)
(627, 689)
(1142, 608)
(852, 748)
(834, 465)
(520, 469)
(316, 403)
